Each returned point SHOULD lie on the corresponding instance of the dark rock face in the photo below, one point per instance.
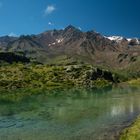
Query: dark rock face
(88, 47)
(99, 73)
(134, 42)
(11, 58)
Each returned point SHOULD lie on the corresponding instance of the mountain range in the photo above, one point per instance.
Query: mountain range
(71, 45)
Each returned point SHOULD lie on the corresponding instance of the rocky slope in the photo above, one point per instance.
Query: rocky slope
(74, 46)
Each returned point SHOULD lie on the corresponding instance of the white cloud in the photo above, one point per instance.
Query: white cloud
(50, 23)
(12, 35)
(49, 9)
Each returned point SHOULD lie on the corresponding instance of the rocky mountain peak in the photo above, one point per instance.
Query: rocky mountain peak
(88, 46)
(70, 27)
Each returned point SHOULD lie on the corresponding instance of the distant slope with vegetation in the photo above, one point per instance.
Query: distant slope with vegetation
(41, 76)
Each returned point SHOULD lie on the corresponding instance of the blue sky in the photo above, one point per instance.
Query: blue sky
(109, 17)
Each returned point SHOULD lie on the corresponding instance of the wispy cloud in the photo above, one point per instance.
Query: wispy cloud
(50, 23)
(49, 9)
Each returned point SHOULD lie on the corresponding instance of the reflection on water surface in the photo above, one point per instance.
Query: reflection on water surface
(67, 114)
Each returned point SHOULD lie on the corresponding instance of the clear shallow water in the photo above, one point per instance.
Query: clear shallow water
(69, 114)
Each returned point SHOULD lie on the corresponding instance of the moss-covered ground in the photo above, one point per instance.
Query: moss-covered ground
(41, 76)
(133, 132)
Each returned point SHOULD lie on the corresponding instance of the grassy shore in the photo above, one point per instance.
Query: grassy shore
(133, 132)
(134, 82)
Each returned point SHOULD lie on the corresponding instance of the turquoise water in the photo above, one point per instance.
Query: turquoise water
(69, 114)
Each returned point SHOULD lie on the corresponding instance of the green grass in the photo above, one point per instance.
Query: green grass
(41, 76)
(133, 132)
(134, 82)
(16, 76)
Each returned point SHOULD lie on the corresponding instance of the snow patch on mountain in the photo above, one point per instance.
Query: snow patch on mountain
(120, 38)
(137, 40)
(115, 38)
(129, 39)
(58, 41)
